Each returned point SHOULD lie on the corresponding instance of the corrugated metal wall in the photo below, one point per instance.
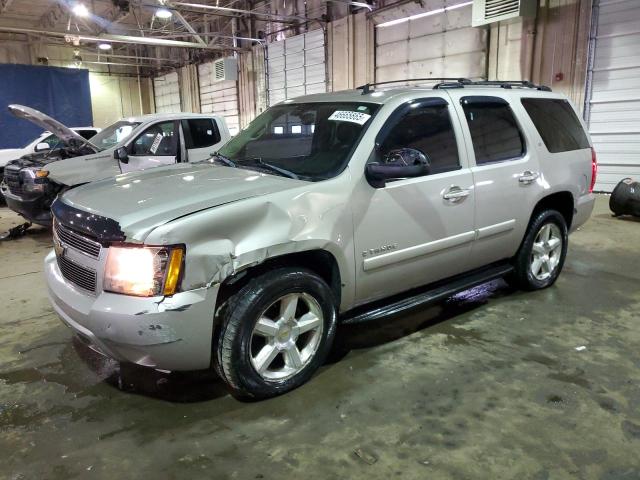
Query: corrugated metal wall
(297, 66)
(614, 103)
(166, 89)
(252, 90)
(435, 42)
(219, 97)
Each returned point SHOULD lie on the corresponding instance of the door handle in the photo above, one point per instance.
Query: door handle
(528, 177)
(456, 193)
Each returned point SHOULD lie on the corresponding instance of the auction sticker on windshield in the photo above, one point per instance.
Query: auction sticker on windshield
(349, 116)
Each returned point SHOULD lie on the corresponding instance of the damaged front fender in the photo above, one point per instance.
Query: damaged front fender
(230, 238)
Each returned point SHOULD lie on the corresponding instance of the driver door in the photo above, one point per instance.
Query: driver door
(415, 231)
(156, 146)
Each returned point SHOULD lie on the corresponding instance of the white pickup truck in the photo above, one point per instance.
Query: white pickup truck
(32, 182)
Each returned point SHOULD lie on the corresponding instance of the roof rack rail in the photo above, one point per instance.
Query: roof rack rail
(366, 88)
(494, 83)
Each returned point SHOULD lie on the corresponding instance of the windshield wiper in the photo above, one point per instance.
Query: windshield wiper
(273, 168)
(224, 159)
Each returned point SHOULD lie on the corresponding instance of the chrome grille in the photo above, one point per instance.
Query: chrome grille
(72, 239)
(82, 277)
(12, 179)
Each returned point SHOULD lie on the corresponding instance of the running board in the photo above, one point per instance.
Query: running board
(457, 284)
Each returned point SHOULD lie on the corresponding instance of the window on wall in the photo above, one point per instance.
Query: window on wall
(200, 133)
(557, 124)
(429, 130)
(158, 140)
(494, 131)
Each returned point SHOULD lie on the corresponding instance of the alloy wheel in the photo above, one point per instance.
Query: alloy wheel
(546, 251)
(286, 336)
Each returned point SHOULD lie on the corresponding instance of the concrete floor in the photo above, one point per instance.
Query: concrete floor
(489, 385)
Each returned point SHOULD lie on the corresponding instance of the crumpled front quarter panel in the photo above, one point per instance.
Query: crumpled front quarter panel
(224, 240)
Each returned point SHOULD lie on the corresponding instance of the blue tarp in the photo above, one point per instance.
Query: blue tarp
(61, 93)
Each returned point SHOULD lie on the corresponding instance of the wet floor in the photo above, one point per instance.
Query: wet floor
(493, 383)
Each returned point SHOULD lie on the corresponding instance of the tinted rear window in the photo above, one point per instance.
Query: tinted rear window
(557, 124)
(200, 133)
(494, 130)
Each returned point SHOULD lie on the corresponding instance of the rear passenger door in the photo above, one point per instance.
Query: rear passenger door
(201, 138)
(506, 173)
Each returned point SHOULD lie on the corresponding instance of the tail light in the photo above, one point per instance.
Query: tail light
(594, 169)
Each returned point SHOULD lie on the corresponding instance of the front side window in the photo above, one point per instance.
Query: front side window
(51, 140)
(200, 133)
(557, 124)
(494, 131)
(159, 140)
(113, 134)
(311, 141)
(427, 129)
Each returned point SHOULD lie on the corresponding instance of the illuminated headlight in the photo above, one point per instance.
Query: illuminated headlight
(143, 271)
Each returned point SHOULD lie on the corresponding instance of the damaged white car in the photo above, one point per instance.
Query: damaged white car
(32, 183)
(347, 206)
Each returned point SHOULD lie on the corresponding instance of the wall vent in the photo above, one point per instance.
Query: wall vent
(486, 12)
(225, 69)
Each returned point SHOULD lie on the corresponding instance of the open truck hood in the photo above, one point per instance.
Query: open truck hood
(65, 134)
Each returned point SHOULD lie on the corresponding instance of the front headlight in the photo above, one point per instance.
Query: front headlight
(34, 180)
(143, 271)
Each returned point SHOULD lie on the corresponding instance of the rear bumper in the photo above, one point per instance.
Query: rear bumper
(167, 333)
(583, 209)
(32, 209)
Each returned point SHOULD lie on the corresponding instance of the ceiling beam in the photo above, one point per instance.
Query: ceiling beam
(158, 42)
(4, 5)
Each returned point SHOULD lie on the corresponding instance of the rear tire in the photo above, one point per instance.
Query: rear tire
(541, 256)
(275, 332)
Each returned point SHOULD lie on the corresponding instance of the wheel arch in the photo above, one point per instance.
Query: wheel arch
(562, 201)
(321, 262)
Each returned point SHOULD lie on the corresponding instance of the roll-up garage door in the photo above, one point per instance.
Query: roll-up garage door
(219, 97)
(296, 66)
(435, 41)
(613, 112)
(167, 93)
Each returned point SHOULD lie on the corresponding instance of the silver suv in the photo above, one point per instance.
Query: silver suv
(339, 207)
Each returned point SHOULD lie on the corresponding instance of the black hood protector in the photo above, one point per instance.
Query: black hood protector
(95, 226)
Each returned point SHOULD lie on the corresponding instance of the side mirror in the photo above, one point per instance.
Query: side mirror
(41, 147)
(121, 154)
(401, 163)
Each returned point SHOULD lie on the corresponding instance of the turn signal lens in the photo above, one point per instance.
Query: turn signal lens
(173, 271)
(594, 169)
(42, 173)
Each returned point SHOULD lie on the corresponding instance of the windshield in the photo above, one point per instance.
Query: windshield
(311, 141)
(113, 134)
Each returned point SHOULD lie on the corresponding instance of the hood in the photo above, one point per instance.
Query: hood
(141, 201)
(64, 133)
(8, 154)
(76, 170)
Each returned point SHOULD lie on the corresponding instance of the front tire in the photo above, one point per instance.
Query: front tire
(541, 256)
(275, 332)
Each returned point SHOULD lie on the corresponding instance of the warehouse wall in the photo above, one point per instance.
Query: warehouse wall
(115, 91)
(350, 52)
(551, 50)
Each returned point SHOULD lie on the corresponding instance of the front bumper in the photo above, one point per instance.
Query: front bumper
(33, 209)
(167, 333)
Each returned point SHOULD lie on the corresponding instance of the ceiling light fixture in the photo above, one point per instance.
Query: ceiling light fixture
(104, 46)
(421, 15)
(80, 10)
(163, 13)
